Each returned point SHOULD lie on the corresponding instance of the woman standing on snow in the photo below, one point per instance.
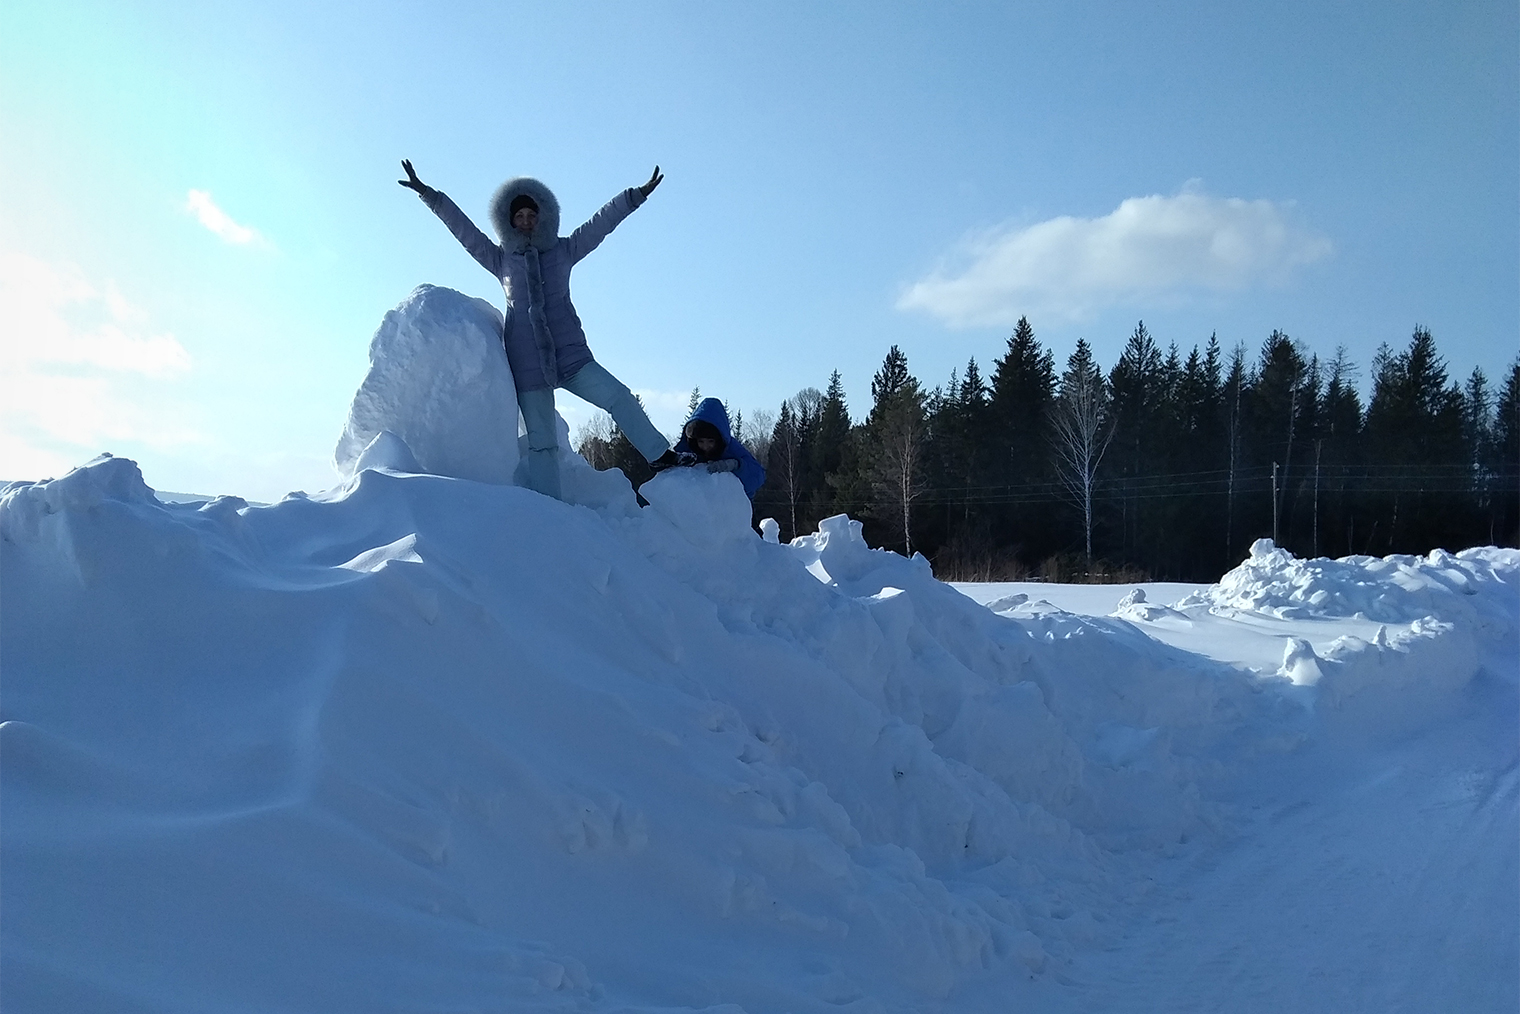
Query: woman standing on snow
(546, 345)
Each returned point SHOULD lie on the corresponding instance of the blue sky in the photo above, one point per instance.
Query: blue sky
(201, 227)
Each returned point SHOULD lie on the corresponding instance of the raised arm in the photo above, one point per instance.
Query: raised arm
(590, 235)
(475, 242)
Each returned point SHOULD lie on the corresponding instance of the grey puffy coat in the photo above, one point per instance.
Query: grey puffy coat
(543, 335)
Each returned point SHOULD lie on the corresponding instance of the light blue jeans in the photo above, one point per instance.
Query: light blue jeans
(590, 383)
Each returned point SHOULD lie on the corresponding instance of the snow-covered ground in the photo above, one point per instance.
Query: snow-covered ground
(1374, 865)
(425, 743)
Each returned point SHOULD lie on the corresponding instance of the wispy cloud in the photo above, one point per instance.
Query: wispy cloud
(1146, 248)
(206, 211)
(666, 409)
(79, 367)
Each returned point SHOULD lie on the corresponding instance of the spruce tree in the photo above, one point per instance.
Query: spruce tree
(1135, 401)
(1341, 432)
(1235, 397)
(1275, 425)
(1414, 434)
(1023, 386)
(1506, 459)
(830, 445)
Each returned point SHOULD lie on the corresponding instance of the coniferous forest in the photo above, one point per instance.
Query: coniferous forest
(1166, 466)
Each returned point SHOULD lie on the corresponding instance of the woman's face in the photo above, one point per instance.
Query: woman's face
(525, 221)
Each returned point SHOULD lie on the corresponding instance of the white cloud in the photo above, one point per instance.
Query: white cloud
(666, 409)
(1147, 248)
(79, 366)
(200, 204)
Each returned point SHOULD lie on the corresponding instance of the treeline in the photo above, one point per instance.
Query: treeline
(1167, 466)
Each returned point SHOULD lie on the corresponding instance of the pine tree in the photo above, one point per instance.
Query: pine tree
(1506, 459)
(1275, 416)
(1023, 386)
(1135, 399)
(830, 445)
(973, 439)
(1236, 395)
(1414, 432)
(1341, 432)
(1477, 434)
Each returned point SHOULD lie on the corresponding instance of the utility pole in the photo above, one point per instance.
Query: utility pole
(1274, 503)
(1318, 446)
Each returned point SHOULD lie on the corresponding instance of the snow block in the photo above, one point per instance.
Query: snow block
(709, 509)
(439, 385)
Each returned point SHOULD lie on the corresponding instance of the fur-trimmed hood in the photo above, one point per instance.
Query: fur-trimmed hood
(545, 234)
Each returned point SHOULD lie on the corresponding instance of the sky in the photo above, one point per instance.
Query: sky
(201, 226)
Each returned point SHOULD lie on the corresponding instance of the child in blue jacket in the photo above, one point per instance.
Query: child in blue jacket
(707, 441)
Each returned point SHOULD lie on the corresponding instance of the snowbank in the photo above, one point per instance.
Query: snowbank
(1393, 589)
(430, 741)
(422, 743)
(1433, 618)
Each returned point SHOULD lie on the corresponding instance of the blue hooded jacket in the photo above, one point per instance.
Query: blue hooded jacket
(750, 472)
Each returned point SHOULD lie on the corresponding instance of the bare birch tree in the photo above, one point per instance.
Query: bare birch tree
(896, 436)
(593, 441)
(791, 441)
(757, 433)
(1080, 433)
(897, 475)
(786, 462)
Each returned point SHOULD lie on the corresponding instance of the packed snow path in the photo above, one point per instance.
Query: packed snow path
(423, 744)
(1376, 890)
(1377, 879)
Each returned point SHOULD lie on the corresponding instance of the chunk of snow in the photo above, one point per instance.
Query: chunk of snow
(387, 451)
(1300, 665)
(708, 508)
(439, 382)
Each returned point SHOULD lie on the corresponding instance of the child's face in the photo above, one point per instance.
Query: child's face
(705, 443)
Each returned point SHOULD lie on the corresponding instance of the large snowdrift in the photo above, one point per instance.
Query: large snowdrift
(428, 744)
(422, 743)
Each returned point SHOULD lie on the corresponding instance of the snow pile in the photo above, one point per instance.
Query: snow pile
(426, 743)
(1426, 621)
(438, 396)
(1393, 589)
(386, 746)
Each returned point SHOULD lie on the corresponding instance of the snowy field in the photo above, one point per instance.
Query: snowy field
(426, 743)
